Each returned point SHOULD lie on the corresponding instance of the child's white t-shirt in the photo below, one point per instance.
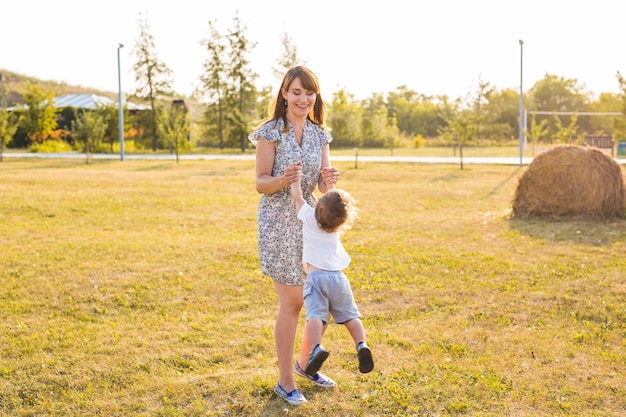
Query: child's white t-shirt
(321, 249)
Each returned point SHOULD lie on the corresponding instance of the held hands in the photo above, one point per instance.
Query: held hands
(330, 176)
(293, 173)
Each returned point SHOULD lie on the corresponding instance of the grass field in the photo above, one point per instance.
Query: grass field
(133, 289)
(509, 150)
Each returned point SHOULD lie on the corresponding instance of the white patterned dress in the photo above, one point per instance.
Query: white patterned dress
(280, 231)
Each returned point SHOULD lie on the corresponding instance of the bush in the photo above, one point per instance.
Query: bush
(50, 146)
(418, 141)
(129, 146)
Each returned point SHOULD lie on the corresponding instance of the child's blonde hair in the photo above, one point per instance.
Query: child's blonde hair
(335, 211)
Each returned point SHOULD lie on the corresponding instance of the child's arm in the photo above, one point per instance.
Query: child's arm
(296, 190)
(328, 175)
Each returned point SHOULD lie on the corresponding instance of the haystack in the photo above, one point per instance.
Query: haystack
(570, 181)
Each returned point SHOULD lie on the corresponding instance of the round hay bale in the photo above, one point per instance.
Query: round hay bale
(570, 181)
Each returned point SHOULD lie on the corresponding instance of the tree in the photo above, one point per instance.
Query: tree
(8, 127)
(8, 120)
(289, 57)
(566, 134)
(152, 76)
(401, 105)
(241, 77)
(344, 119)
(415, 113)
(112, 129)
(214, 83)
(501, 115)
(606, 103)
(263, 103)
(39, 119)
(462, 124)
(465, 117)
(378, 129)
(174, 128)
(536, 130)
(88, 130)
(620, 122)
(478, 101)
(426, 119)
(557, 94)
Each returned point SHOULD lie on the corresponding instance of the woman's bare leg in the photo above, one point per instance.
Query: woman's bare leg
(290, 299)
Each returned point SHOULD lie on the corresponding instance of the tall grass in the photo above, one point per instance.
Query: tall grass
(133, 289)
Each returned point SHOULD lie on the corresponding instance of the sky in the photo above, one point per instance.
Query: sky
(433, 47)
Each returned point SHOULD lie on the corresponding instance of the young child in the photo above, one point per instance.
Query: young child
(326, 289)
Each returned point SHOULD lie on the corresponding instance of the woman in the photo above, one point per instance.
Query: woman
(295, 132)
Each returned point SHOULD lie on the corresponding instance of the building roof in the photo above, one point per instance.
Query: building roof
(92, 101)
(86, 101)
(83, 101)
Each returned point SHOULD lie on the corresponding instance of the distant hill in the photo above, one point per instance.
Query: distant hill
(16, 86)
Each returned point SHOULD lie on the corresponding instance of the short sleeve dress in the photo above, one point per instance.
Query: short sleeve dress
(280, 231)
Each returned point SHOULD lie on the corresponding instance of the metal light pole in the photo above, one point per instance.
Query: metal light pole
(521, 102)
(120, 105)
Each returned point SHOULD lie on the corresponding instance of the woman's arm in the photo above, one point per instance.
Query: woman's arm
(265, 182)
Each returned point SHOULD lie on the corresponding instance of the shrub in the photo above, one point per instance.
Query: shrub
(418, 141)
(51, 145)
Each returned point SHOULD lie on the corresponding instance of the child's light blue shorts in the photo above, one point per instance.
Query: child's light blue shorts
(328, 293)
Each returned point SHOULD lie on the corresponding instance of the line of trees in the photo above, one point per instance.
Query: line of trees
(232, 104)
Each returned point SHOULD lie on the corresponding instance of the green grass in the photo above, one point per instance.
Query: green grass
(509, 150)
(133, 289)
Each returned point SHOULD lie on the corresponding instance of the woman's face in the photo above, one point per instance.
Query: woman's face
(299, 100)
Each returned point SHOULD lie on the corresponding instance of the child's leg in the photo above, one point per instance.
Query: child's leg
(317, 354)
(356, 329)
(311, 359)
(312, 335)
(315, 329)
(364, 354)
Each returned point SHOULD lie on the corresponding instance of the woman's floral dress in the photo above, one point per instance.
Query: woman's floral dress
(280, 231)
